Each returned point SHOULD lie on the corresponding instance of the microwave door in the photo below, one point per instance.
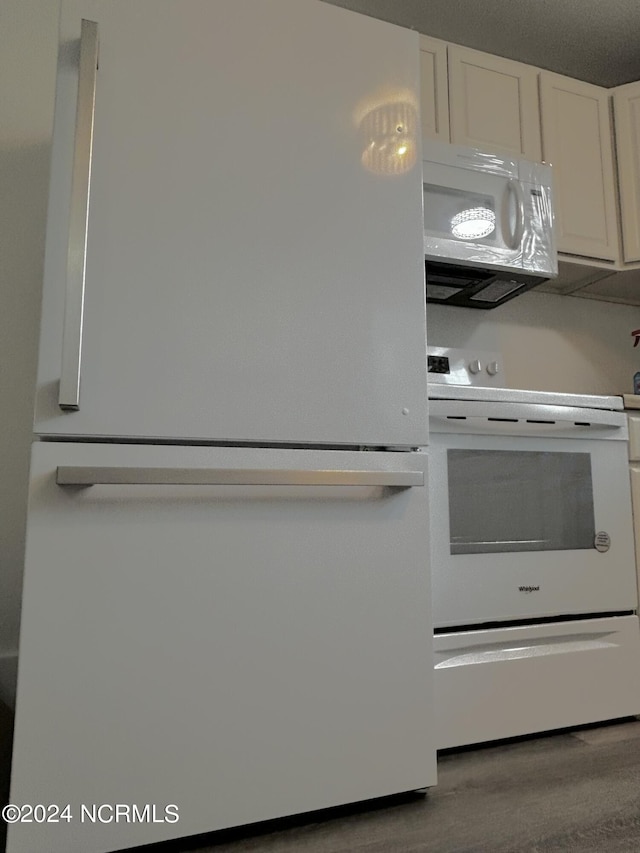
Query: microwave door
(472, 217)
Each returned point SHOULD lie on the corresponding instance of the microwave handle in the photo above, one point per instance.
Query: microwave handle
(514, 189)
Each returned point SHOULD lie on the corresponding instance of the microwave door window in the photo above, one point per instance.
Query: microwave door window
(459, 215)
(519, 501)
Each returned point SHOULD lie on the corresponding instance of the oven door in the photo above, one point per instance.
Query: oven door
(529, 519)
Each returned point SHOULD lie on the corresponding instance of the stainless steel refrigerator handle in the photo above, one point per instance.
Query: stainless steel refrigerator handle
(67, 475)
(69, 391)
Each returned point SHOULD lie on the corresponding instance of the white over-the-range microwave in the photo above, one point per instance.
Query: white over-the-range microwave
(488, 226)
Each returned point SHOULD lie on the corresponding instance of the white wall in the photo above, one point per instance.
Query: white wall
(549, 342)
(28, 48)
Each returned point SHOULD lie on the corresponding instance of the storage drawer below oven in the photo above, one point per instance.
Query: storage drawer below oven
(507, 682)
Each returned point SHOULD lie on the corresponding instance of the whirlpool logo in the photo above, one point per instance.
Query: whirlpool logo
(529, 588)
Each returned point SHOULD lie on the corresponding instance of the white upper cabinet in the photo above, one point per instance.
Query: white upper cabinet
(434, 90)
(577, 141)
(626, 100)
(493, 103)
(254, 263)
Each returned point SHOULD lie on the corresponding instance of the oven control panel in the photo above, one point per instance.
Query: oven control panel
(452, 366)
(438, 364)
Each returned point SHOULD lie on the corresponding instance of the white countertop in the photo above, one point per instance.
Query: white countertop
(631, 401)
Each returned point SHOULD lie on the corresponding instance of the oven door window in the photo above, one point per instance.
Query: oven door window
(502, 500)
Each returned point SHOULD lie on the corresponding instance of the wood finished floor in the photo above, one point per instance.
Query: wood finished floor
(574, 791)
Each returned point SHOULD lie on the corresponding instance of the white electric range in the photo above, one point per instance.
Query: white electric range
(533, 567)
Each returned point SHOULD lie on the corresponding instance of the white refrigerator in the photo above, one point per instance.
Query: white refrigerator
(226, 611)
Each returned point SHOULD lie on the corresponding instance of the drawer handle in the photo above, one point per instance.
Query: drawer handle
(67, 475)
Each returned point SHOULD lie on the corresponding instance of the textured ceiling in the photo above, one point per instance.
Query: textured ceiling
(593, 40)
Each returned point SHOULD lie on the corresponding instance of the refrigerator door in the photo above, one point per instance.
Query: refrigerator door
(242, 652)
(249, 266)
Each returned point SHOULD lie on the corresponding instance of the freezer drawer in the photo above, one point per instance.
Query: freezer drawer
(227, 265)
(513, 681)
(240, 651)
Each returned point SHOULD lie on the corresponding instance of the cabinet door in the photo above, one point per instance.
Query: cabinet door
(576, 140)
(434, 90)
(634, 441)
(493, 103)
(634, 472)
(626, 101)
(254, 264)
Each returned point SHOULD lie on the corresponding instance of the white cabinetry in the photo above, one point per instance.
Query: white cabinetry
(634, 457)
(635, 492)
(434, 90)
(576, 140)
(626, 101)
(493, 103)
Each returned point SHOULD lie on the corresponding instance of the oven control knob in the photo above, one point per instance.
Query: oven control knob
(493, 368)
(475, 366)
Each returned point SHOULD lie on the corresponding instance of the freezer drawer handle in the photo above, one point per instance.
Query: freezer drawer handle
(69, 391)
(92, 476)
